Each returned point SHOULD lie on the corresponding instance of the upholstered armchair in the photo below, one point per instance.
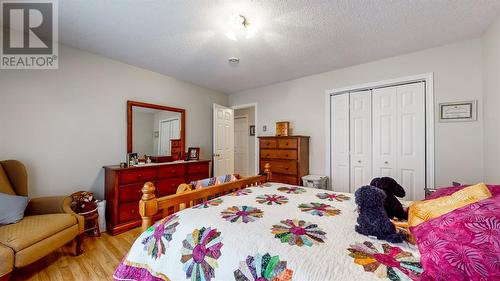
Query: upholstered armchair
(48, 224)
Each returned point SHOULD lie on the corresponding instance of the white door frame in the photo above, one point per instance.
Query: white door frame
(254, 105)
(244, 116)
(428, 78)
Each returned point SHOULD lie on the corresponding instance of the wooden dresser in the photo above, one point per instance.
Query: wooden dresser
(288, 156)
(176, 149)
(123, 188)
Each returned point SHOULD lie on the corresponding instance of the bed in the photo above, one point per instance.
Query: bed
(261, 231)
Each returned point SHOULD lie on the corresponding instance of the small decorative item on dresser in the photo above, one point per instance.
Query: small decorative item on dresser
(193, 153)
(84, 204)
(282, 129)
(252, 130)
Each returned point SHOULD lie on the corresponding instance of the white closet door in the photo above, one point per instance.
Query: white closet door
(385, 111)
(361, 139)
(411, 139)
(340, 142)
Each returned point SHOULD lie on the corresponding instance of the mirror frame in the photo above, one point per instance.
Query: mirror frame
(131, 104)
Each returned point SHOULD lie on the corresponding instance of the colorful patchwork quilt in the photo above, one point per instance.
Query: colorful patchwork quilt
(271, 232)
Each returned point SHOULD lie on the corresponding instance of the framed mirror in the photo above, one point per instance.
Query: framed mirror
(157, 131)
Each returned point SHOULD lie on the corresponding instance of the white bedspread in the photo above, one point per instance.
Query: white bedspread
(241, 228)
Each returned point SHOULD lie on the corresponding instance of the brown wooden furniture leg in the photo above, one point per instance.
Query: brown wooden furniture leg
(97, 230)
(79, 241)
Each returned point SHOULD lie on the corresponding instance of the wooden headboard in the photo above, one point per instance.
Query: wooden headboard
(150, 206)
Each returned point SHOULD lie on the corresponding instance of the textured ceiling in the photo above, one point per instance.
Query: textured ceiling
(185, 38)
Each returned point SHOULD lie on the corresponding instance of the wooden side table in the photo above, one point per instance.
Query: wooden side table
(92, 223)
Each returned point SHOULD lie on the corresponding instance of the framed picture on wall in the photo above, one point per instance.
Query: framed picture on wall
(458, 111)
(252, 130)
(193, 153)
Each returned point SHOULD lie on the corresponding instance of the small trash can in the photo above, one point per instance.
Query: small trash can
(101, 209)
(315, 181)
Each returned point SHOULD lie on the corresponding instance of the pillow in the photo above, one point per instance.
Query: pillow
(204, 183)
(421, 211)
(225, 179)
(213, 181)
(12, 208)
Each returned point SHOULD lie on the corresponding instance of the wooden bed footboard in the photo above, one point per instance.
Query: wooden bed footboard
(150, 206)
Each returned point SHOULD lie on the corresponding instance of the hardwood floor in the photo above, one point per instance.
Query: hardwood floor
(101, 256)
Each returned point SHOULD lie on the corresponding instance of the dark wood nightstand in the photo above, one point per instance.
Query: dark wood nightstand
(92, 223)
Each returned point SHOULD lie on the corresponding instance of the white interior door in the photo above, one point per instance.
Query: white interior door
(360, 139)
(411, 139)
(241, 145)
(340, 142)
(223, 131)
(385, 111)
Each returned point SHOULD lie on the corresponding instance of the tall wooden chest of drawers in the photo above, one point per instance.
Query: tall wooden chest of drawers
(288, 156)
(123, 188)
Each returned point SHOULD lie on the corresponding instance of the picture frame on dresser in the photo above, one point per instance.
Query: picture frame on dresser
(193, 153)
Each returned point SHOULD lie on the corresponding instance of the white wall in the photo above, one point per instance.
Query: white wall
(491, 80)
(142, 133)
(250, 111)
(457, 76)
(66, 124)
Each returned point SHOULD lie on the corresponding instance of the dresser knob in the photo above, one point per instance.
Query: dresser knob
(286, 155)
(386, 162)
(359, 161)
(139, 176)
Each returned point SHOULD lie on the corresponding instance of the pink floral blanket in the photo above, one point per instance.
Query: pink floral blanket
(463, 244)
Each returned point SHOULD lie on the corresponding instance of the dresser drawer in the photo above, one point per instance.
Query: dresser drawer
(168, 186)
(171, 171)
(284, 179)
(141, 176)
(198, 168)
(130, 193)
(287, 143)
(278, 154)
(281, 167)
(128, 212)
(268, 143)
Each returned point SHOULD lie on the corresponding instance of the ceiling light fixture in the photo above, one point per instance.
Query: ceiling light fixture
(239, 27)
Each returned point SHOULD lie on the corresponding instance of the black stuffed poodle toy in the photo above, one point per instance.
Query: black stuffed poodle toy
(372, 219)
(392, 190)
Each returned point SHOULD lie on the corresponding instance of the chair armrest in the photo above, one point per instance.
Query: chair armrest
(53, 205)
(6, 261)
